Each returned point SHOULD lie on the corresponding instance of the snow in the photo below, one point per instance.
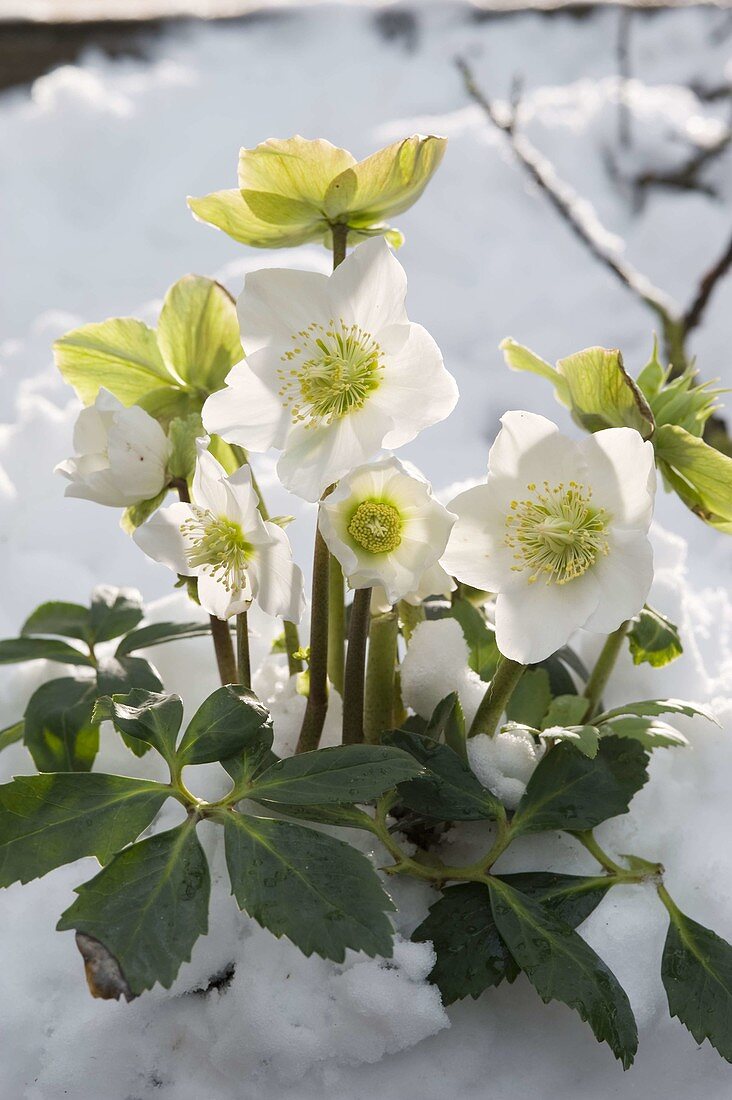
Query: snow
(504, 763)
(95, 224)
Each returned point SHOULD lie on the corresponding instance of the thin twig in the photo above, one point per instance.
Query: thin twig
(695, 312)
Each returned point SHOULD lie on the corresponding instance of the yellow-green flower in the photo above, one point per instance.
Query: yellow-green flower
(294, 190)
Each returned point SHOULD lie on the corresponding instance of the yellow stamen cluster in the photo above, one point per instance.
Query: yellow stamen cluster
(376, 527)
(556, 533)
(331, 371)
(217, 545)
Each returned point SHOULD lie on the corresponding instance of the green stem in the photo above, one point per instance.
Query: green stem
(317, 705)
(410, 616)
(497, 696)
(603, 668)
(668, 901)
(336, 624)
(224, 649)
(353, 687)
(292, 645)
(242, 650)
(340, 243)
(380, 674)
(587, 840)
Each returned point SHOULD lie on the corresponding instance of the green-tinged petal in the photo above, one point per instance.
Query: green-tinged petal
(120, 354)
(701, 475)
(198, 332)
(295, 167)
(386, 183)
(519, 357)
(227, 210)
(602, 394)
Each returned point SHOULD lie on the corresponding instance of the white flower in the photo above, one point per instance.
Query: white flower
(121, 454)
(334, 370)
(505, 763)
(220, 538)
(434, 582)
(559, 532)
(384, 527)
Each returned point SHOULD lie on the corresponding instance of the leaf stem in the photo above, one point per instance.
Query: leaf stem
(497, 696)
(242, 650)
(588, 841)
(380, 677)
(353, 688)
(336, 624)
(603, 668)
(224, 649)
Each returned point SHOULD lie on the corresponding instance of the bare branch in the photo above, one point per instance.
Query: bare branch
(695, 312)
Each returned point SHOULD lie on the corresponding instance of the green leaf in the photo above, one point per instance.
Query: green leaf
(198, 332)
(183, 431)
(651, 733)
(602, 394)
(56, 818)
(531, 698)
(562, 967)
(12, 734)
(14, 650)
(120, 675)
(147, 716)
(684, 402)
(230, 720)
(345, 773)
(114, 611)
(696, 970)
(158, 634)
(147, 907)
(584, 738)
(571, 898)
(334, 813)
(481, 640)
(654, 639)
(569, 791)
(652, 376)
(698, 473)
(318, 891)
(654, 707)
(448, 724)
(120, 354)
(565, 710)
(448, 791)
(471, 956)
(69, 620)
(60, 732)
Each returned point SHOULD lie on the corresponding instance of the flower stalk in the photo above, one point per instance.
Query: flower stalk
(353, 692)
(497, 697)
(317, 705)
(242, 650)
(380, 677)
(603, 668)
(224, 648)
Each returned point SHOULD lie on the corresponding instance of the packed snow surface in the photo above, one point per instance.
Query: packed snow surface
(95, 225)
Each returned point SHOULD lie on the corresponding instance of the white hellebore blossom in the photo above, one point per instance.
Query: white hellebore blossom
(559, 531)
(334, 370)
(384, 527)
(121, 454)
(221, 538)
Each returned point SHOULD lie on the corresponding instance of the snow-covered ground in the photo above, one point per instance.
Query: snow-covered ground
(99, 159)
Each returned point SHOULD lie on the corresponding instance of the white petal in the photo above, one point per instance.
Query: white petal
(416, 390)
(315, 458)
(209, 484)
(622, 474)
(161, 538)
(530, 448)
(624, 575)
(277, 582)
(248, 411)
(90, 431)
(276, 303)
(476, 551)
(97, 485)
(218, 601)
(536, 620)
(138, 453)
(369, 288)
(243, 505)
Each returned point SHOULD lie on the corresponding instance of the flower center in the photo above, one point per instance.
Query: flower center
(218, 546)
(376, 527)
(330, 372)
(556, 533)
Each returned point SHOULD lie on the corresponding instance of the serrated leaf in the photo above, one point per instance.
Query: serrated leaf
(159, 634)
(565, 710)
(318, 891)
(531, 698)
(68, 620)
(345, 773)
(698, 473)
(148, 716)
(571, 898)
(56, 818)
(448, 791)
(120, 675)
(114, 611)
(120, 354)
(654, 639)
(584, 738)
(60, 732)
(147, 907)
(654, 707)
(471, 955)
(569, 791)
(652, 733)
(15, 650)
(198, 332)
(562, 967)
(696, 970)
(229, 721)
(335, 813)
